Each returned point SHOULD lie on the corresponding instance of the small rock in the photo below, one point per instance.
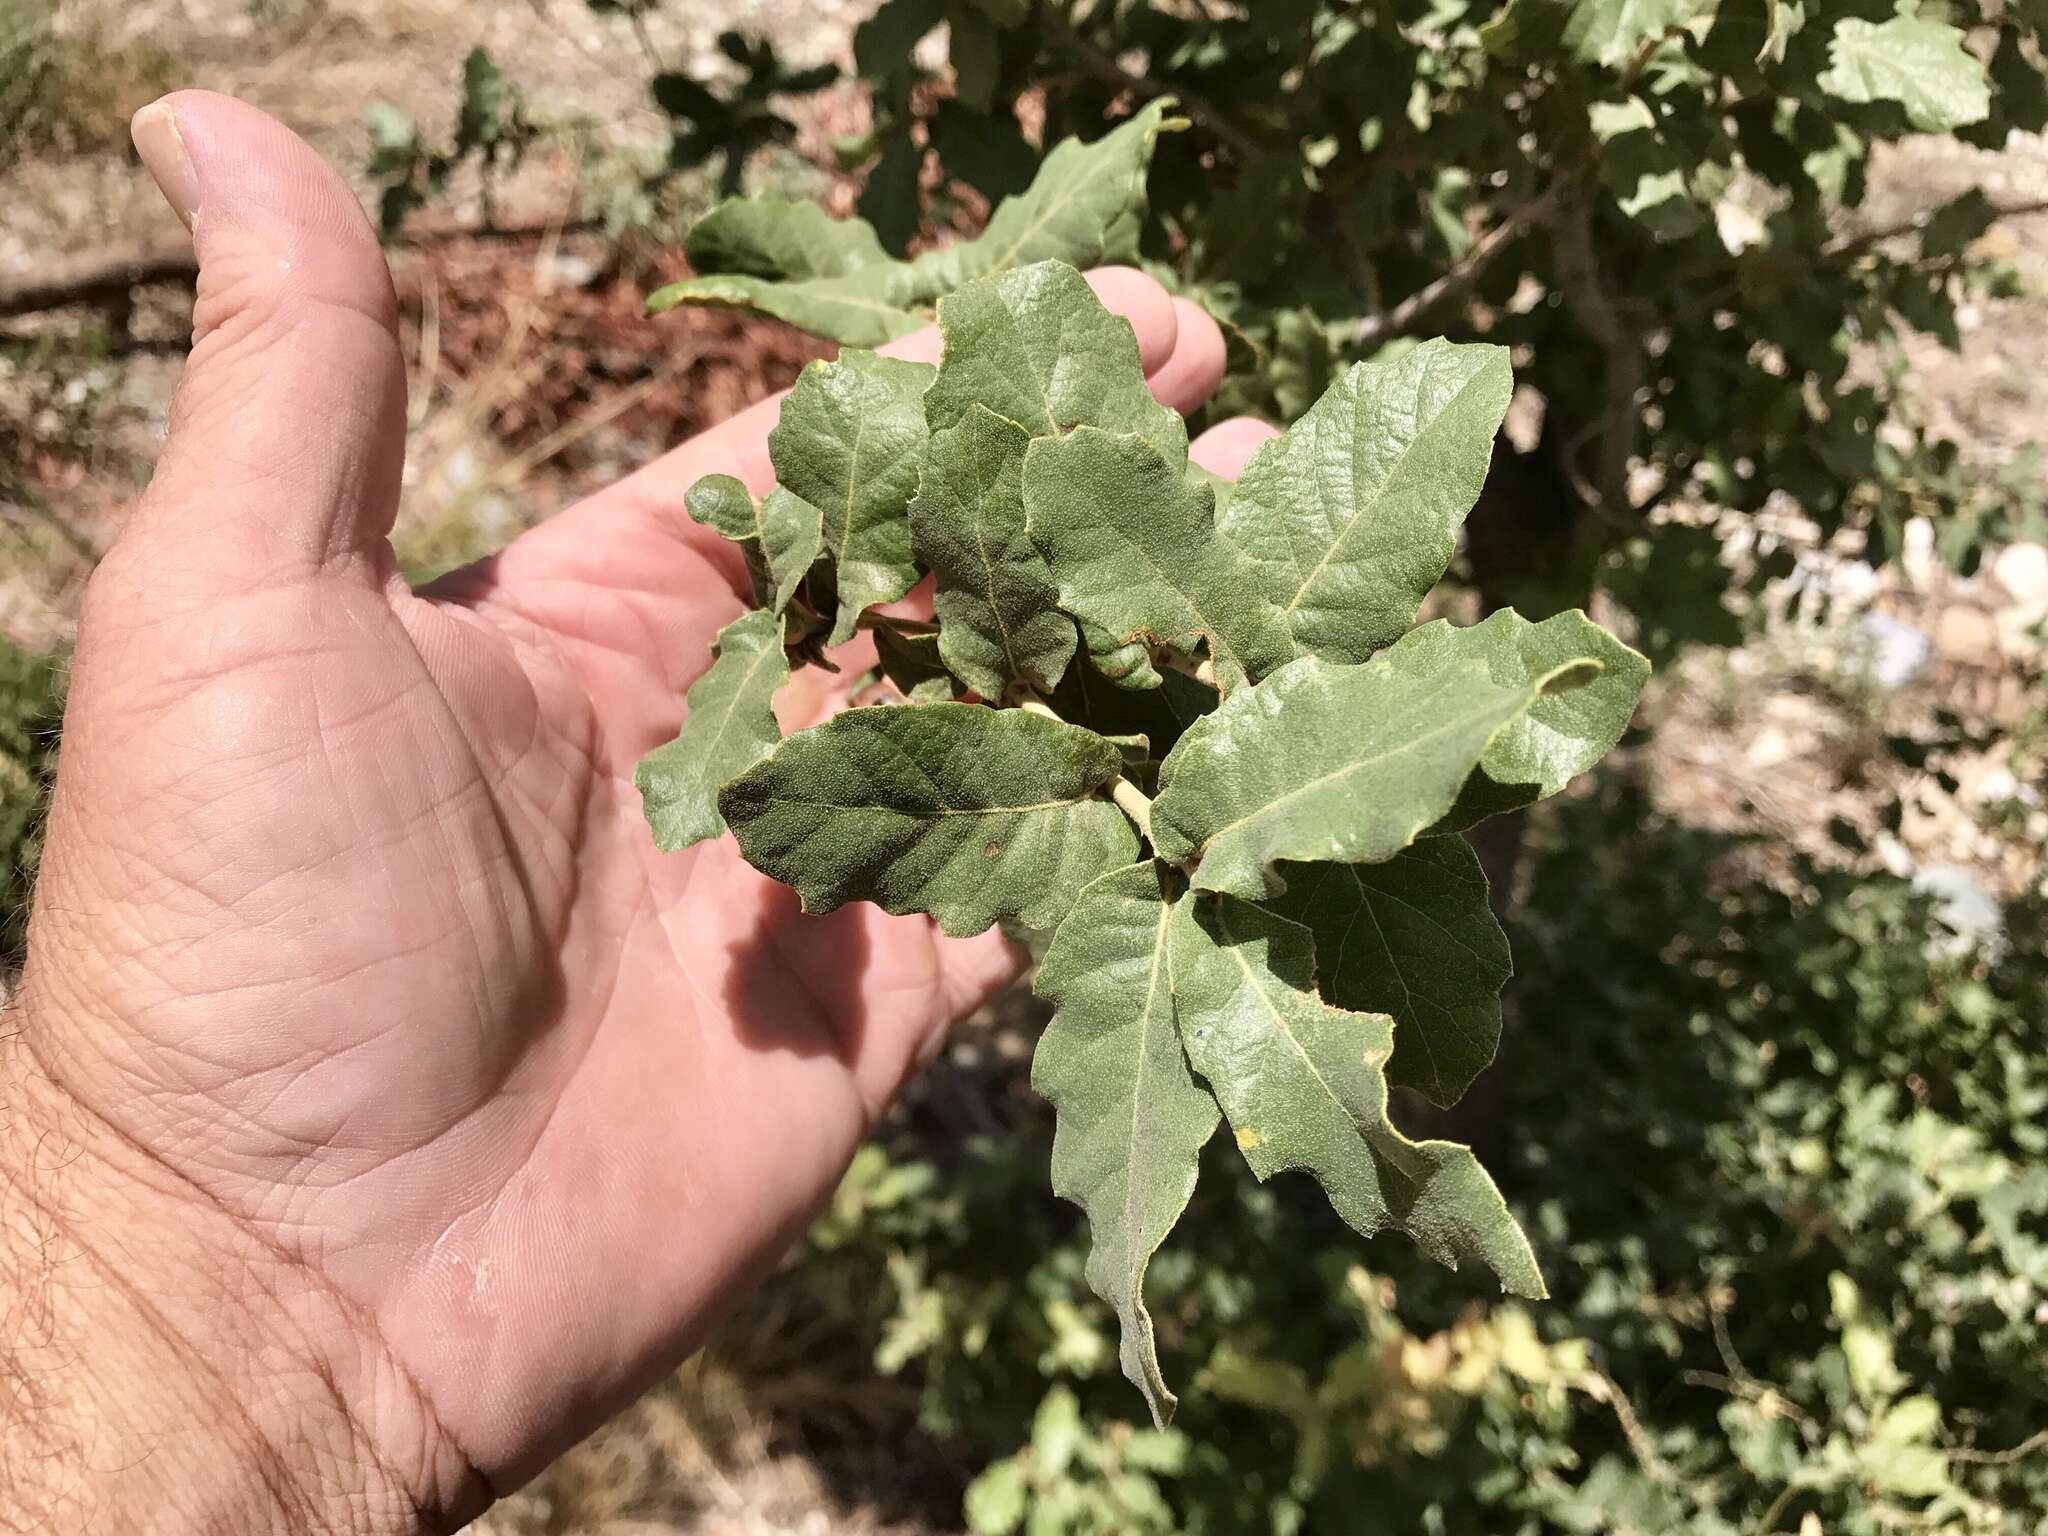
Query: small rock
(1966, 636)
(1770, 747)
(1894, 652)
(1972, 917)
(2022, 570)
(566, 269)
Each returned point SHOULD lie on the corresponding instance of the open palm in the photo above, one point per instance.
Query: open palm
(349, 915)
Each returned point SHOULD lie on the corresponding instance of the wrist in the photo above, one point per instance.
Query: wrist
(163, 1370)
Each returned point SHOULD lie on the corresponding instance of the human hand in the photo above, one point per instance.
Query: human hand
(405, 1088)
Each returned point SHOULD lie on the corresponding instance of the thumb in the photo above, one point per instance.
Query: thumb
(287, 434)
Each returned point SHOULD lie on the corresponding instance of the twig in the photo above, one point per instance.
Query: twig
(32, 506)
(1769, 1520)
(1851, 245)
(1603, 1388)
(1750, 1390)
(1134, 803)
(1202, 670)
(1373, 329)
(1604, 318)
(108, 276)
(2038, 1440)
(99, 278)
(1105, 68)
(638, 18)
(1130, 799)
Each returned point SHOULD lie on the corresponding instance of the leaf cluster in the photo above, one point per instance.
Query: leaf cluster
(1656, 203)
(1211, 752)
(1788, 1188)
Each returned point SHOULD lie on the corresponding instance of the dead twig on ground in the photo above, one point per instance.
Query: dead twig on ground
(109, 277)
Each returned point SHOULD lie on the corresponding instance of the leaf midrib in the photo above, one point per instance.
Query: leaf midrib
(805, 288)
(940, 812)
(1057, 204)
(1136, 1256)
(1363, 514)
(1366, 1134)
(1406, 747)
(1204, 624)
(732, 703)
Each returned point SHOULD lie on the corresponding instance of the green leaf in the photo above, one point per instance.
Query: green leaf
(1413, 938)
(1004, 13)
(997, 1501)
(1353, 514)
(1951, 227)
(996, 602)
(722, 504)
(1122, 663)
(1133, 545)
(849, 442)
(1646, 173)
(971, 814)
(908, 654)
(1087, 698)
(1085, 206)
(1611, 31)
(486, 97)
(861, 309)
(1302, 1085)
(1132, 1119)
(977, 58)
(781, 237)
(1565, 730)
(1524, 31)
(891, 199)
(1786, 17)
(780, 536)
(989, 153)
(792, 538)
(1036, 347)
(884, 44)
(728, 727)
(1920, 64)
(1747, 33)
(1323, 762)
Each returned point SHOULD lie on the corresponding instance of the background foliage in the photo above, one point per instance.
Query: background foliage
(1782, 1154)
(31, 706)
(1640, 199)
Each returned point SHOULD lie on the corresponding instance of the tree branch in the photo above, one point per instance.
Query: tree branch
(102, 277)
(1371, 330)
(1603, 317)
(1856, 244)
(1104, 67)
(108, 277)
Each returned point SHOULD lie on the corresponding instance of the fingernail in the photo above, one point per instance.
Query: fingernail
(155, 132)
